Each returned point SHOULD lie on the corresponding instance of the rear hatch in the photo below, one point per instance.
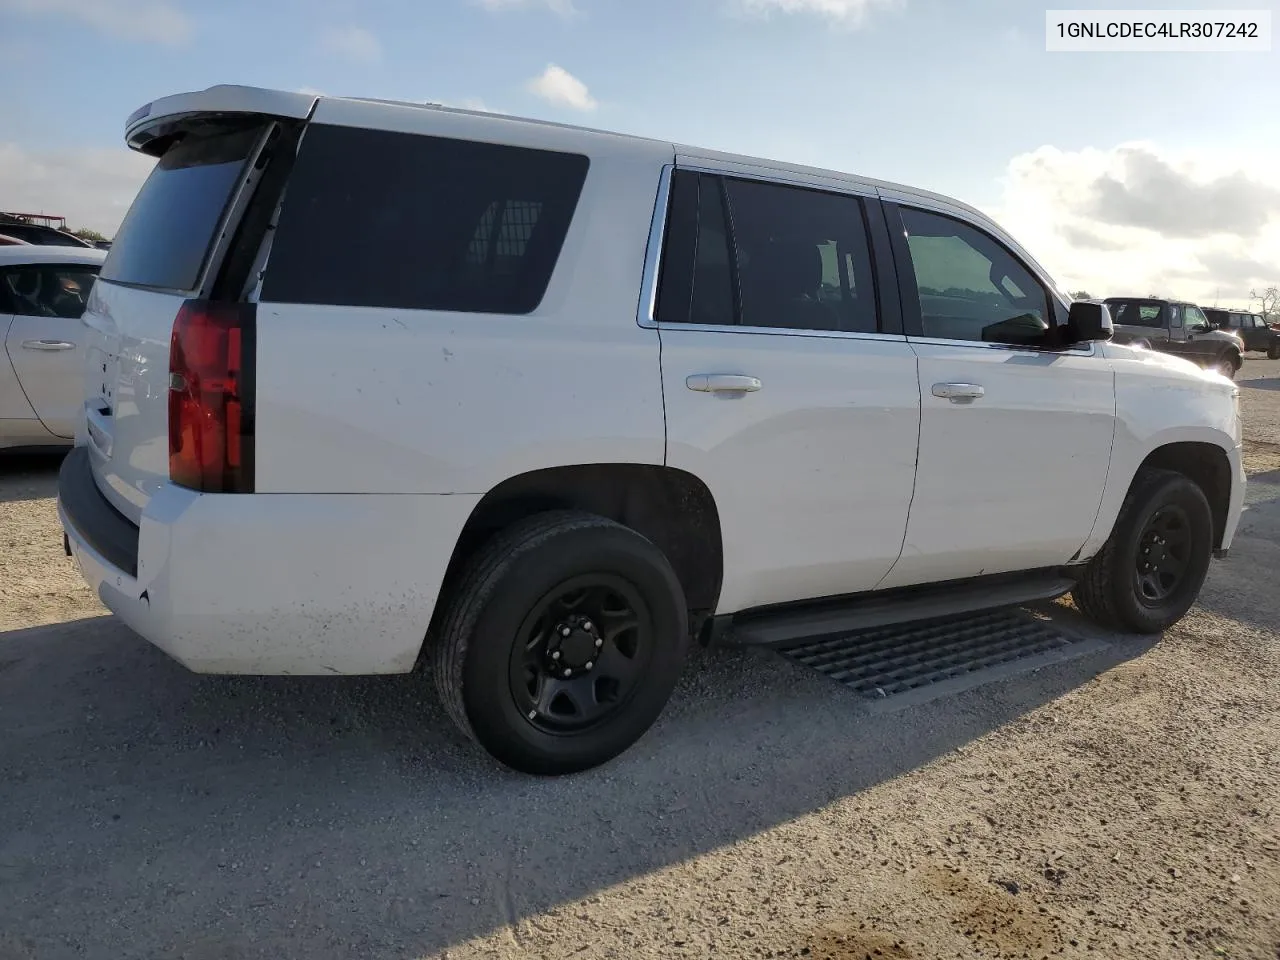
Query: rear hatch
(193, 236)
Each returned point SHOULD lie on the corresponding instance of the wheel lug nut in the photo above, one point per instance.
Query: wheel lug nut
(590, 664)
(586, 625)
(599, 642)
(565, 631)
(568, 672)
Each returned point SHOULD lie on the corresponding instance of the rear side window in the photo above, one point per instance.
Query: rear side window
(803, 258)
(165, 237)
(374, 218)
(765, 255)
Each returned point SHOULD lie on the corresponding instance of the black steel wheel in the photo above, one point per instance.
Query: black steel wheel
(560, 644)
(581, 653)
(1150, 571)
(1163, 556)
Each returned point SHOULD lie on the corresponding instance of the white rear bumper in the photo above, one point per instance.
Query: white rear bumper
(282, 583)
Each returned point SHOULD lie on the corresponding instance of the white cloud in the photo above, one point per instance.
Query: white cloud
(351, 43)
(845, 12)
(562, 7)
(557, 85)
(1141, 219)
(91, 188)
(151, 21)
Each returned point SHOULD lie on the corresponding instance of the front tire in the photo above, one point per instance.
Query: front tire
(1151, 569)
(1273, 351)
(562, 642)
(1229, 365)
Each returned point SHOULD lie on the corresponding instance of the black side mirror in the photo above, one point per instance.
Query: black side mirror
(1087, 322)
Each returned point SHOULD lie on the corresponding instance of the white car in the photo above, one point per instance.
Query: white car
(564, 401)
(43, 291)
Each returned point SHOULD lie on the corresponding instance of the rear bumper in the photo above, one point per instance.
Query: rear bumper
(268, 583)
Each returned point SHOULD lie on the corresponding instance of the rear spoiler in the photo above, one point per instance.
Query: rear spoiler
(154, 120)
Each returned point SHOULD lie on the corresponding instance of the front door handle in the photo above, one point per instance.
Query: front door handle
(958, 392)
(722, 383)
(48, 345)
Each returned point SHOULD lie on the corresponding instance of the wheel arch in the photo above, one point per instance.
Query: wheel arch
(672, 508)
(1203, 463)
(1189, 450)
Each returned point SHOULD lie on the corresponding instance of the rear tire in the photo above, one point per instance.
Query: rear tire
(1273, 351)
(1150, 571)
(546, 703)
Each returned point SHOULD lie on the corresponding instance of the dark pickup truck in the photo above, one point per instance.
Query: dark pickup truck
(1250, 328)
(1173, 326)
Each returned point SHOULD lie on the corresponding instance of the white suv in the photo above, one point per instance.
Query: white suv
(375, 382)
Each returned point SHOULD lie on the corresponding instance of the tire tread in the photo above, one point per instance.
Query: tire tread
(1093, 591)
(467, 598)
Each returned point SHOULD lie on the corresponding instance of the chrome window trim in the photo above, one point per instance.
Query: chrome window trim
(784, 331)
(653, 251)
(1075, 350)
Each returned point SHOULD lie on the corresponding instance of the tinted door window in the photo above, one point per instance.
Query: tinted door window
(1175, 315)
(380, 219)
(969, 287)
(803, 258)
(763, 255)
(170, 227)
(47, 290)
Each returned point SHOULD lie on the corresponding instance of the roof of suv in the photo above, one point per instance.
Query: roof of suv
(232, 98)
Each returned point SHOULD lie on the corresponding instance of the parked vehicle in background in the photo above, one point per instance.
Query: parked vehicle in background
(41, 236)
(1252, 330)
(575, 400)
(1176, 327)
(43, 292)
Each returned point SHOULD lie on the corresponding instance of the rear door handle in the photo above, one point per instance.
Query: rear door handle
(48, 345)
(722, 383)
(958, 392)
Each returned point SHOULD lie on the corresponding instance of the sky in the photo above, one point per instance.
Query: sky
(1122, 173)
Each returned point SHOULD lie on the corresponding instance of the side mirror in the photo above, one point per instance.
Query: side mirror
(1087, 322)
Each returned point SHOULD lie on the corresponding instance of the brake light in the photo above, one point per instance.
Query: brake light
(211, 397)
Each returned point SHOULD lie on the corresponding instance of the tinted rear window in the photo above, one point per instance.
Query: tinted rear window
(379, 219)
(167, 233)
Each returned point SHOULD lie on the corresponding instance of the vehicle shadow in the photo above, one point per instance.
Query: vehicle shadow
(1262, 383)
(151, 812)
(1243, 586)
(29, 476)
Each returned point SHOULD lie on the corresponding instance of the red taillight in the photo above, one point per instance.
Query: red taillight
(210, 397)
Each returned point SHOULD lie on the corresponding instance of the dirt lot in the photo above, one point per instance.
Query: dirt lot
(1122, 804)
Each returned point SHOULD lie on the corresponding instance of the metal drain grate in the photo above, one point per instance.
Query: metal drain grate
(887, 661)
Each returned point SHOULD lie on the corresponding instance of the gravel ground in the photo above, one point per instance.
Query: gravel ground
(1125, 803)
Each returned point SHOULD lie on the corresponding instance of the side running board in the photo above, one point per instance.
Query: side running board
(787, 624)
